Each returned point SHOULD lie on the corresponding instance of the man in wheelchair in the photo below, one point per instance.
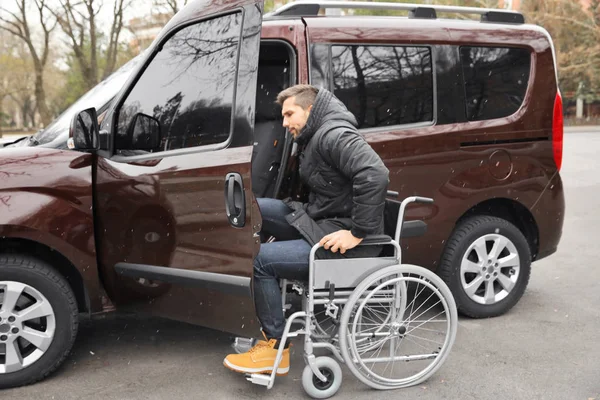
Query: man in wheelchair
(348, 183)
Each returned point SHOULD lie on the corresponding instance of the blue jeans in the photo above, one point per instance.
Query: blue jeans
(286, 258)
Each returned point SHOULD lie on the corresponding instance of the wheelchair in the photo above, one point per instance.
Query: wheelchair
(391, 324)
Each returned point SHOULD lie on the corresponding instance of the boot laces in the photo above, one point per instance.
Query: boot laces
(260, 346)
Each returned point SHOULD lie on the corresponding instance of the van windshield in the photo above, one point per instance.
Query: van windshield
(99, 97)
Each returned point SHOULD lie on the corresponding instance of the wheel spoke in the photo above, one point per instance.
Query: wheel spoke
(480, 248)
(41, 340)
(420, 328)
(12, 292)
(511, 260)
(470, 266)
(40, 309)
(413, 326)
(506, 283)
(413, 336)
(378, 351)
(472, 287)
(14, 360)
(499, 245)
(423, 312)
(490, 296)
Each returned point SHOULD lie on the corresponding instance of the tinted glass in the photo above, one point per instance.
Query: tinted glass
(495, 80)
(381, 85)
(188, 88)
(449, 87)
(320, 74)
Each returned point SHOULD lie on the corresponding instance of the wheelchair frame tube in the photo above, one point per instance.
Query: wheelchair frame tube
(403, 205)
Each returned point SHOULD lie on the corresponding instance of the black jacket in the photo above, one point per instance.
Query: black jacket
(347, 178)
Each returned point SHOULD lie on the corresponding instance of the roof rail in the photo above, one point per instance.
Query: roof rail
(306, 8)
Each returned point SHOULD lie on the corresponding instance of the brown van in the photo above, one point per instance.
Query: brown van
(153, 208)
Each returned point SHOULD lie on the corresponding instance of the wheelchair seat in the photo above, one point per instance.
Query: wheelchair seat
(349, 272)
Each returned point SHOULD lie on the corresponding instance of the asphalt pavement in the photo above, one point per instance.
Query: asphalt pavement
(546, 347)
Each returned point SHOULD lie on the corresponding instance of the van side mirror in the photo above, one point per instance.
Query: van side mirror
(84, 131)
(144, 132)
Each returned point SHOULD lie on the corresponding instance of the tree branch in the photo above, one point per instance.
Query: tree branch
(41, 6)
(115, 31)
(593, 28)
(12, 14)
(67, 26)
(18, 33)
(571, 67)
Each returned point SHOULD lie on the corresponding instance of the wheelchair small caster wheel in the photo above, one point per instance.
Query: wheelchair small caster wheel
(318, 389)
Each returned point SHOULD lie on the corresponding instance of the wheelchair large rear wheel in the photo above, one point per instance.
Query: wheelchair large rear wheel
(398, 327)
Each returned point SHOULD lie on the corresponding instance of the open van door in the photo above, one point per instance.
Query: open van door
(173, 195)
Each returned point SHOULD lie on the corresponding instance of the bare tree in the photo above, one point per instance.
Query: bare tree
(8, 67)
(22, 82)
(78, 20)
(18, 25)
(171, 7)
(575, 31)
(115, 31)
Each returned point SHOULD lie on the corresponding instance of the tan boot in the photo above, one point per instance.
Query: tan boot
(259, 360)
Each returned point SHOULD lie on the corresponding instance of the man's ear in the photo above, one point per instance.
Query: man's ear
(309, 109)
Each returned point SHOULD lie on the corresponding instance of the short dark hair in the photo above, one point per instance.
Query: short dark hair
(305, 95)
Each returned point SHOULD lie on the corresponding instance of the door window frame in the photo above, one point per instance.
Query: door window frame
(289, 140)
(132, 82)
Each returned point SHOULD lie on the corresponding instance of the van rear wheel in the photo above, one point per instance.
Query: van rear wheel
(486, 265)
(38, 320)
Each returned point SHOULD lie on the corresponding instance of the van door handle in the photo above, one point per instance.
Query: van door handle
(235, 200)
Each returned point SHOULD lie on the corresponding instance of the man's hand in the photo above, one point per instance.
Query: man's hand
(340, 240)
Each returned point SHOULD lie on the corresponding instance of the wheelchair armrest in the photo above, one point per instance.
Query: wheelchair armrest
(376, 239)
(413, 229)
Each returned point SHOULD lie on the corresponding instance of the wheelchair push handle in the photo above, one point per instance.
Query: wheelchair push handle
(423, 200)
(419, 199)
(405, 202)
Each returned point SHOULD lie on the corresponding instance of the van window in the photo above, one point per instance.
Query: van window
(495, 80)
(380, 85)
(186, 93)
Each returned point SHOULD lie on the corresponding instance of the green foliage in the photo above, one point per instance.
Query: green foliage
(74, 88)
(269, 5)
(76, 85)
(576, 35)
(4, 118)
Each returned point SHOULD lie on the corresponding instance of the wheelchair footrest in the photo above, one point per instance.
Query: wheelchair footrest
(259, 379)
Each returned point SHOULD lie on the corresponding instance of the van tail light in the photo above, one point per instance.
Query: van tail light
(557, 130)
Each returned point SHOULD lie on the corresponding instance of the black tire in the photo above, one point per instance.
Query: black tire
(56, 290)
(464, 235)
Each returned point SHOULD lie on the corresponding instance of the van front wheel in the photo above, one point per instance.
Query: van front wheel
(38, 320)
(486, 265)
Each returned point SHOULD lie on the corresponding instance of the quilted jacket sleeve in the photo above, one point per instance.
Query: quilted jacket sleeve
(350, 153)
